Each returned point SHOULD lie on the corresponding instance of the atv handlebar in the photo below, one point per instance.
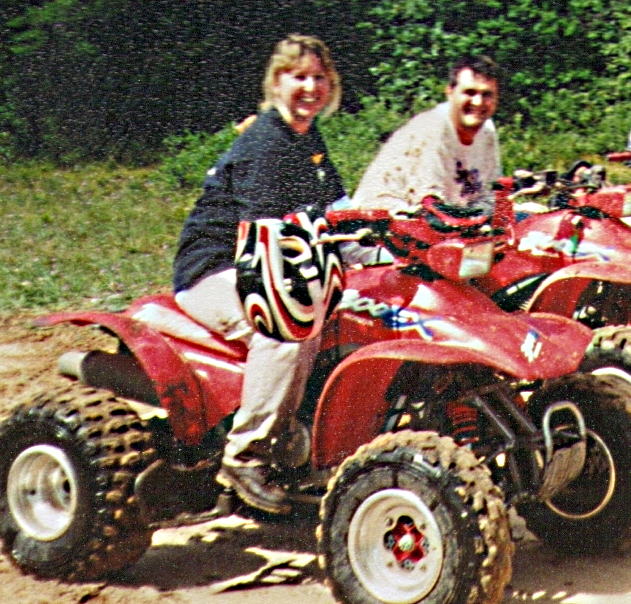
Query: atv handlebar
(583, 188)
(453, 253)
(363, 236)
(536, 189)
(582, 177)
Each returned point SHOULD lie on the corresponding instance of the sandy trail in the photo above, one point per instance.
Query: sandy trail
(244, 558)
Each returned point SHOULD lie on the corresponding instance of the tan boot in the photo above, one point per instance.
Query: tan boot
(252, 485)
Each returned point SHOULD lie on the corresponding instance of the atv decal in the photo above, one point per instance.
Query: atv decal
(543, 244)
(393, 316)
(352, 301)
(404, 319)
(531, 346)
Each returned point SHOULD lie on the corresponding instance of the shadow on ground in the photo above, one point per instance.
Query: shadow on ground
(230, 553)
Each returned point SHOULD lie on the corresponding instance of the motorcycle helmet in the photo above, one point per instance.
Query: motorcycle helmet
(288, 285)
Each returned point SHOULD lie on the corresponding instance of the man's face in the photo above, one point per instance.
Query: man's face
(473, 100)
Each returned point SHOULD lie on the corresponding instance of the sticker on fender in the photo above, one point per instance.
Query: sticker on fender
(531, 346)
(393, 317)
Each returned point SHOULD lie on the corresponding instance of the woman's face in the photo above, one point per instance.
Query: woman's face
(302, 92)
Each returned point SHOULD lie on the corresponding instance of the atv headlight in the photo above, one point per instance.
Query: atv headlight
(476, 260)
(455, 260)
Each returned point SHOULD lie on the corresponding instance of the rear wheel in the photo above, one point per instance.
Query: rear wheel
(609, 352)
(593, 512)
(69, 462)
(410, 518)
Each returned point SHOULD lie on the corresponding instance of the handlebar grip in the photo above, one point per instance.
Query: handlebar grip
(620, 156)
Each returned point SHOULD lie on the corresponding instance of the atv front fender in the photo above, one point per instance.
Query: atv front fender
(560, 292)
(176, 386)
(353, 406)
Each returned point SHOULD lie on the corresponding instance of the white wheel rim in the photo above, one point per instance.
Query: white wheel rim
(395, 561)
(612, 370)
(42, 492)
(605, 458)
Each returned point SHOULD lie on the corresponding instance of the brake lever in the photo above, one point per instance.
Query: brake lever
(364, 236)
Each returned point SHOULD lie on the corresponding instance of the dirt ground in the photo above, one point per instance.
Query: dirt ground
(244, 559)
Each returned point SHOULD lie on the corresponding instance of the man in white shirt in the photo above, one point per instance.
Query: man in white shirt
(450, 152)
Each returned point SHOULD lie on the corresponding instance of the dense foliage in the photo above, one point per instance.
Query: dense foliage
(565, 62)
(93, 79)
(130, 81)
(113, 78)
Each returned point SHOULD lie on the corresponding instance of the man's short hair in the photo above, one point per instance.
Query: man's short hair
(478, 64)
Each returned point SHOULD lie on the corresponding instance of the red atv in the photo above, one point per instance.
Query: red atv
(429, 412)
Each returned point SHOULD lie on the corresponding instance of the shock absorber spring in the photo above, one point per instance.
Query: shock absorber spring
(464, 422)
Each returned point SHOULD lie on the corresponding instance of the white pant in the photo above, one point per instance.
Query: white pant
(275, 373)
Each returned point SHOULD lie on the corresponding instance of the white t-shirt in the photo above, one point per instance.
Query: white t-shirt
(426, 157)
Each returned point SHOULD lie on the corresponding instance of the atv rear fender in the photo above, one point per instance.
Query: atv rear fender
(176, 386)
(561, 291)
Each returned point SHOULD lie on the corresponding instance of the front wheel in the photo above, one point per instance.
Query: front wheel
(413, 518)
(68, 462)
(593, 513)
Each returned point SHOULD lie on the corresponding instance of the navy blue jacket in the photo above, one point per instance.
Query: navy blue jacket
(269, 171)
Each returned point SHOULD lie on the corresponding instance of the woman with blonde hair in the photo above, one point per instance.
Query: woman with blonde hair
(279, 165)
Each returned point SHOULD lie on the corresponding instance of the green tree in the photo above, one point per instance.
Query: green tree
(100, 78)
(549, 50)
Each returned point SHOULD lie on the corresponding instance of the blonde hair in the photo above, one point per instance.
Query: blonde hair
(287, 53)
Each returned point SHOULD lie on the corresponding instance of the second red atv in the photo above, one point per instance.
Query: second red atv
(572, 257)
(430, 411)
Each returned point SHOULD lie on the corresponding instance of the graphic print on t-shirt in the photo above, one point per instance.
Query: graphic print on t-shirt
(470, 181)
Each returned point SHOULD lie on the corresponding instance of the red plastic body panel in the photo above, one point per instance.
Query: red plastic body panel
(560, 292)
(614, 201)
(619, 156)
(197, 385)
(177, 388)
(391, 318)
(549, 242)
(601, 239)
(382, 304)
(353, 406)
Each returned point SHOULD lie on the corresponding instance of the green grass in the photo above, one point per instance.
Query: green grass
(94, 236)
(99, 236)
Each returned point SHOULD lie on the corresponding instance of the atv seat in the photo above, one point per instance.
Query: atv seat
(161, 313)
(447, 218)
